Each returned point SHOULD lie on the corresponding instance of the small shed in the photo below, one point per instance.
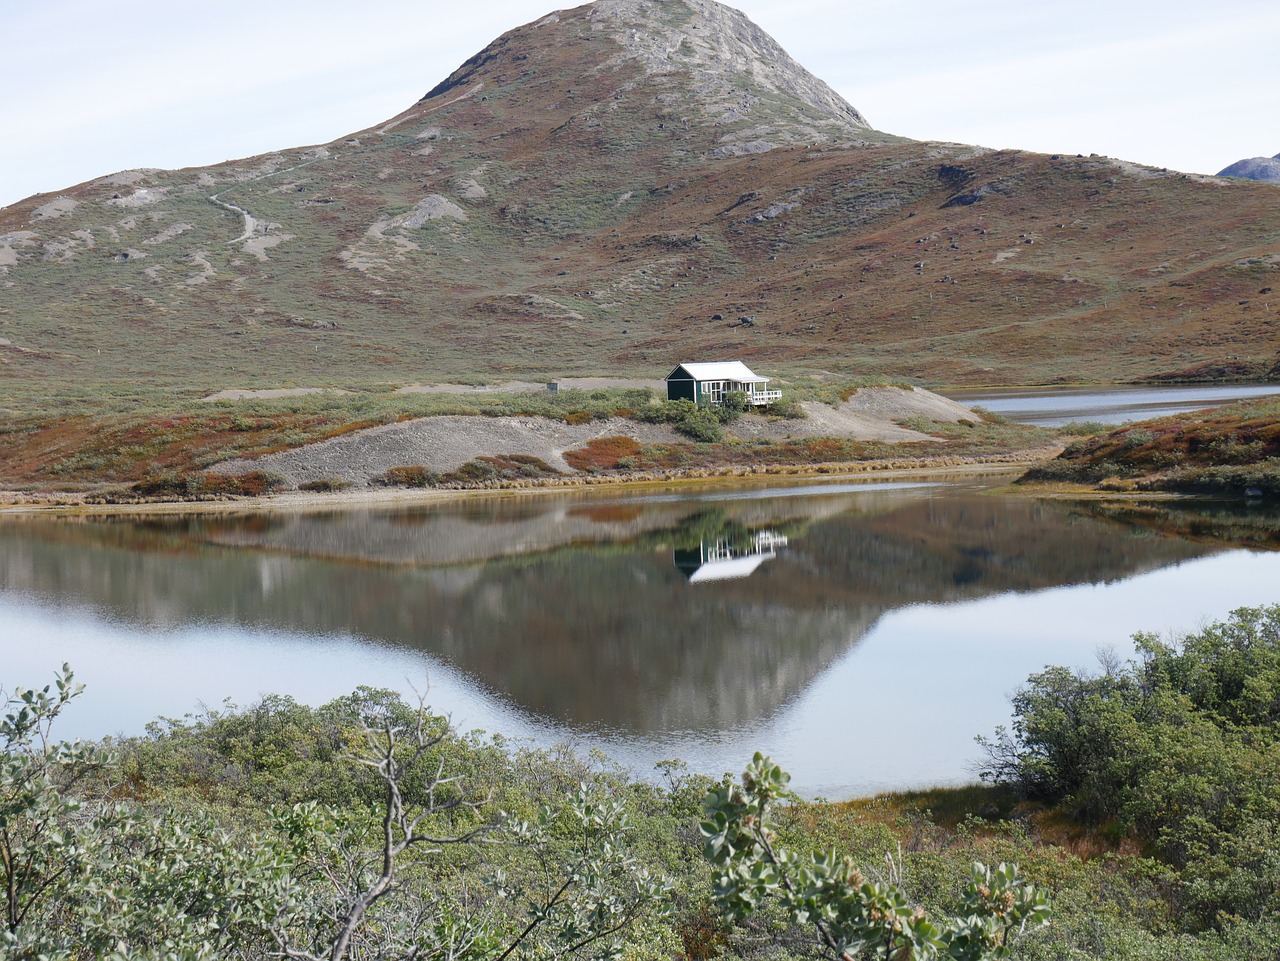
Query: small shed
(708, 383)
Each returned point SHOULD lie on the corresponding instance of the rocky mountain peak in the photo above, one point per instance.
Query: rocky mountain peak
(701, 60)
(719, 46)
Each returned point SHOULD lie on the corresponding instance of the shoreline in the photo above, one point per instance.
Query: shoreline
(20, 503)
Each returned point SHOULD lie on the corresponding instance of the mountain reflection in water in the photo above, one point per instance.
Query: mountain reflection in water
(570, 607)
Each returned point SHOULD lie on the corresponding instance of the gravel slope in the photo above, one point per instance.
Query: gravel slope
(445, 443)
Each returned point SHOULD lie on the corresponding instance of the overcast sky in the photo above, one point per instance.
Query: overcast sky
(89, 87)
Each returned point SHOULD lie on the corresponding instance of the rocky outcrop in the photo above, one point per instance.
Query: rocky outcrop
(1255, 168)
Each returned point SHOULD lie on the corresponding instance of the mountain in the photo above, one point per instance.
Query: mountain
(1255, 168)
(608, 190)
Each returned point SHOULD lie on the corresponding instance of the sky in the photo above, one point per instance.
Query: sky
(88, 88)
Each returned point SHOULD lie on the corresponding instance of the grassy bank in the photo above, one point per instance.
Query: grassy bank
(1232, 451)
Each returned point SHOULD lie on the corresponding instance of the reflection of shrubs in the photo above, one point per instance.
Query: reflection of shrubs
(325, 484)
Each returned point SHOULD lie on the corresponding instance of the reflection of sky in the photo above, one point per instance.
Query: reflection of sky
(203, 664)
(901, 709)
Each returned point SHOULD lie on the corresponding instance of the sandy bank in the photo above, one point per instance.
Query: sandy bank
(870, 472)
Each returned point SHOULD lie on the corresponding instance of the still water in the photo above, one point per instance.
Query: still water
(862, 634)
(1053, 407)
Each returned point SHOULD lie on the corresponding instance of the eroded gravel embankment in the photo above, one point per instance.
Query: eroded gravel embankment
(447, 442)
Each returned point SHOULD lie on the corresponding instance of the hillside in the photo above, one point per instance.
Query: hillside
(609, 190)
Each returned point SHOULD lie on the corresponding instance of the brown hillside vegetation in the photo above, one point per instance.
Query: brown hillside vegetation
(610, 190)
(1231, 450)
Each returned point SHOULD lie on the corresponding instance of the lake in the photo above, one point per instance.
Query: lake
(1053, 407)
(861, 633)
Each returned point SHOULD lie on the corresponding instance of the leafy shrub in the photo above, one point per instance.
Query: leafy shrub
(325, 484)
(414, 475)
(603, 453)
(989, 416)
(734, 404)
(1230, 479)
(787, 408)
(208, 485)
(86, 875)
(500, 467)
(1081, 428)
(1180, 747)
(697, 422)
(701, 424)
(849, 914)
(473, 472)
(1135, 437)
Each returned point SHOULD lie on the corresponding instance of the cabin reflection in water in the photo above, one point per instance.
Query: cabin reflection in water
(724, 558)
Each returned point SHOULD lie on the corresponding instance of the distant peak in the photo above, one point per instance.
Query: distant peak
(1255, 168)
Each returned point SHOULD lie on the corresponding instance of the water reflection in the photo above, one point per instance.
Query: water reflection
(577, 612)
(725, 558)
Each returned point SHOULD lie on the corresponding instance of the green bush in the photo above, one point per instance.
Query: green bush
(94, 865)
(702, 424)
(734, 404)
(326, 484)
(413, 475)
(787, 408)
(850, 915)
(1180, 748)
(697, 422)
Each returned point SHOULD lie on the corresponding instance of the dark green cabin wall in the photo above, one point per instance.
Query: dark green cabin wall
(682, 390)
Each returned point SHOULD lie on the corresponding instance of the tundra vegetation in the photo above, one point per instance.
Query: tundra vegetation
(158, 445)
(1232, 450)
(1139, 805)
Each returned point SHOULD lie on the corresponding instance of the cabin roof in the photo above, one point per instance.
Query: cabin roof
(734, 370)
